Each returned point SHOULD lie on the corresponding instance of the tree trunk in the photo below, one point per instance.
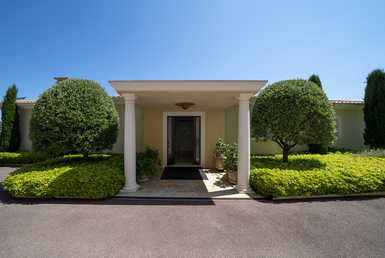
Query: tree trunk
(286, 154)
(85, 155)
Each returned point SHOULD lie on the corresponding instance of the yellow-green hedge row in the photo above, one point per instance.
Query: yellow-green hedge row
(317, 174)
(22, 157)
(99, 177)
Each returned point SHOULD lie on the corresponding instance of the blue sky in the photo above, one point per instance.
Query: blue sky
(341, 41)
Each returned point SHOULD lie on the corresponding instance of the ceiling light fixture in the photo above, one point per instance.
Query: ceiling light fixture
(185, 105)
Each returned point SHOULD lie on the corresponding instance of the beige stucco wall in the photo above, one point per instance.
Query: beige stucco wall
(215, 128)
(153, 130)
(231, 124)
(352, 125)
(25, 116)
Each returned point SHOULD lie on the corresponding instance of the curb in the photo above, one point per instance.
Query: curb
(327, 196)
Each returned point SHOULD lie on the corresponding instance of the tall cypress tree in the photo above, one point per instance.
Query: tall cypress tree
(10, 133)
(374, 109)
(315, 78)
(313, 147)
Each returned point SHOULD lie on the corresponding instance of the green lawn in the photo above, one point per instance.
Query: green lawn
(102, 176)
(305, 174)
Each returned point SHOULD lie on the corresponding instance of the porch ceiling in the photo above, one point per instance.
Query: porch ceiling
(205, 94)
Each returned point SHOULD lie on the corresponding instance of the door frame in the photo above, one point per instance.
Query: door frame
(202, 115)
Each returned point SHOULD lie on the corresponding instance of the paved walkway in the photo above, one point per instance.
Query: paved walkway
(217, 186)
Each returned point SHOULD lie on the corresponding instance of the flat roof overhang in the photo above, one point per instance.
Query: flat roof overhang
(206, 94)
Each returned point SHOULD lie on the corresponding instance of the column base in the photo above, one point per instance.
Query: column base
(243, 189)
(130, 189)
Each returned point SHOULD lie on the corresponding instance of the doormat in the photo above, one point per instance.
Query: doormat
(183, 173)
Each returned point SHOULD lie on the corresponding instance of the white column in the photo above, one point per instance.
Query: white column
(129, 144)
(243, 184)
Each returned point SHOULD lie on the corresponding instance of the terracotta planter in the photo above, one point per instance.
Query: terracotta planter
(219, 163)
(233, 177)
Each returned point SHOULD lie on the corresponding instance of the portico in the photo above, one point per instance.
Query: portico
(211, 99)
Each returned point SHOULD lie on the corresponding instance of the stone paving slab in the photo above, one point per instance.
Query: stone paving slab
(216, 187)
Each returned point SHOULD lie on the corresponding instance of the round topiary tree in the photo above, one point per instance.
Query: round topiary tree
(293, 112)
(73, 116)
(374, 110)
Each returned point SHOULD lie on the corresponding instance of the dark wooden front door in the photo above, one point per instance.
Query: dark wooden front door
(183, 140)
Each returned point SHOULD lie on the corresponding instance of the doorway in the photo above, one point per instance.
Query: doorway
(183, 140)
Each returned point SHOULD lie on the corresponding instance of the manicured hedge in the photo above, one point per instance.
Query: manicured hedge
(317, 174)
(22, 157)
(99, 177)
(379, 153)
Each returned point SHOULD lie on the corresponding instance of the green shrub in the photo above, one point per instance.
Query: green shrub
(10, 133)
(315, 148)
(380, 153)
(318, 148)
(221, 149)
(332, 149)
(374, 110)
(146, 161)
(22, 157)
(99, 177)
(230, 163)
(293, 112)
(73, 116)
(317, 175)
(315, 78)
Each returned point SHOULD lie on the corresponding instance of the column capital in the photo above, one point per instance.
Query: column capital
(243, 97)
(129, 97)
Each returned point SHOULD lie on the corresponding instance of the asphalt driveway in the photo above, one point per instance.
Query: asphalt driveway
(121, 227)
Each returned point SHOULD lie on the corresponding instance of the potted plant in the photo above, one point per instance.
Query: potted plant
(220, 153)
(154, 154)
(231, 163)
(145, 163)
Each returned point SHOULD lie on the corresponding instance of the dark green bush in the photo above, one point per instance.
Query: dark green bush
(332, 149)
(146, 161)
(70, 176)
(317, 175)
(315, 78)
(22, 157)
(374, 110)
(315, 148)
(10, 132)
(73, 116)
(318, 148)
